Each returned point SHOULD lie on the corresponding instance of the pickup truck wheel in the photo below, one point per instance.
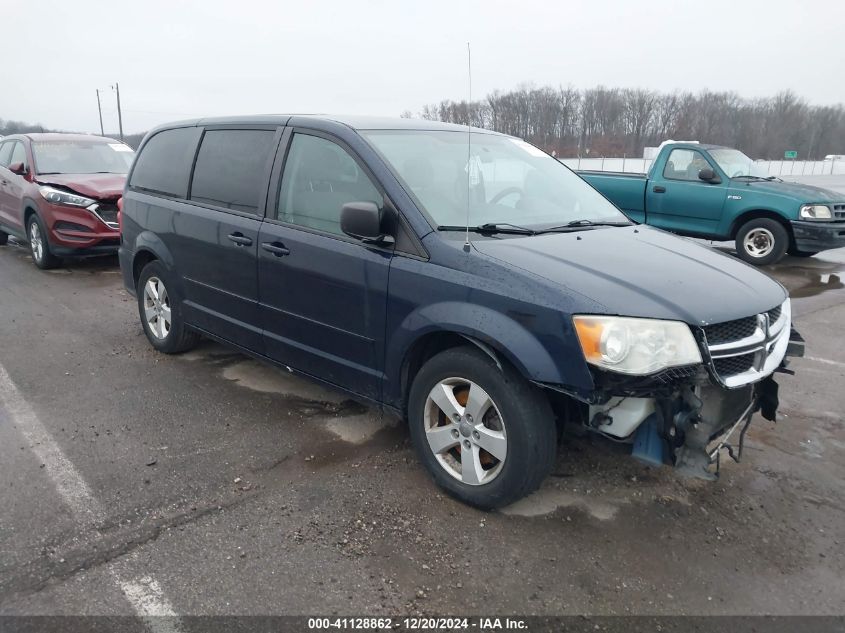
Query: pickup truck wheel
(39, 246)
(486, 435)
(762, 241)
(160, 308)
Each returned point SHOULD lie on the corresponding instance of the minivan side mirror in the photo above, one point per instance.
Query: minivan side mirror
(708, 175)
(17, 168)
(362, 220)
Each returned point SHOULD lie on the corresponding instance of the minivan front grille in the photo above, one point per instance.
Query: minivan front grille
(733, 365)
(730, 330)
(746, 350)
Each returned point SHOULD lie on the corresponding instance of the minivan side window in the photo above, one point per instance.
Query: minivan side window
(6, 153)
(164, 162)
(231, 168)
(684, 164)
(320, 177)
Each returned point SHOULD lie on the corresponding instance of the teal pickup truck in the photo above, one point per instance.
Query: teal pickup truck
(717, 193)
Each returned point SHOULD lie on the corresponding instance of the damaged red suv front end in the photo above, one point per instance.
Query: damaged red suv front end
(81, 212)
(61, 193)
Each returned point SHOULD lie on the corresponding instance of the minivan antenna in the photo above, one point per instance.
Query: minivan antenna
(469, 142)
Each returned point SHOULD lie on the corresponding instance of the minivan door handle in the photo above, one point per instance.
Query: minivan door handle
(277, 248)
(659, 189)
(240, 239)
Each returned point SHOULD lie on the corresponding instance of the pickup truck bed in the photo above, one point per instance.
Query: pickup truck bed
(625, 190)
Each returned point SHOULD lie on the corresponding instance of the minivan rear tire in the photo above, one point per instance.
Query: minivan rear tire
(176, 337)
(521, 416)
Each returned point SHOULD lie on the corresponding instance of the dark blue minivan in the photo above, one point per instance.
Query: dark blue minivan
(462, 279)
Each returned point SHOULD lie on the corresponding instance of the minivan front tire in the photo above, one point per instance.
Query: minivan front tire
(160, 309)
(486, 435)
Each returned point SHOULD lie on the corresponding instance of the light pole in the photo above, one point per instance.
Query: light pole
(100, 110)
(119, 115)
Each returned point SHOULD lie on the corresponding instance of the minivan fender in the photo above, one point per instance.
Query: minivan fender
(495, 330)
(149, 244)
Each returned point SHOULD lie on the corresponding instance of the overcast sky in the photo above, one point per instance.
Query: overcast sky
(181, 59)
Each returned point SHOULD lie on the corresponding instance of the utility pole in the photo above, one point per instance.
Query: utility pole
(100, 110)
(119, 116)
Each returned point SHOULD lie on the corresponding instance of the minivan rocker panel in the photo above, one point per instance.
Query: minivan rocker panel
(338, 248)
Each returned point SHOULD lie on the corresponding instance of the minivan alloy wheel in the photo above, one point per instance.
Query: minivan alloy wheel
(157, 310)
(465, 431)
(759, 242)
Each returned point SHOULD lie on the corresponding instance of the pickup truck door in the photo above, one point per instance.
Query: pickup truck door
(322, 294)
(677, 200)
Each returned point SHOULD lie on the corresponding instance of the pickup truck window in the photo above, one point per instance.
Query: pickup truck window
(508, 181)
(319, 178)
(684, 164)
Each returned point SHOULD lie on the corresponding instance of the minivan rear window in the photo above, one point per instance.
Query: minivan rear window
(231, 167)
(164, 162)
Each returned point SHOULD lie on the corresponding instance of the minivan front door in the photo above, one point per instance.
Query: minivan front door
(322, 295)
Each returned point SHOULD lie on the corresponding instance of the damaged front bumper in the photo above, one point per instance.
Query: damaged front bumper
(688, 418)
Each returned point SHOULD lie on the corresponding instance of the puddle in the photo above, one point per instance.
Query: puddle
(358, 429)
(812, 276)
(547, 500)
(257, 376)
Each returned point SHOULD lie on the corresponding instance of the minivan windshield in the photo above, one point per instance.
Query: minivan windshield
(81, 157)
(507, 181)
(736, 164)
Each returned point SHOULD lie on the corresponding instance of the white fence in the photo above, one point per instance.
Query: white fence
(771, 167)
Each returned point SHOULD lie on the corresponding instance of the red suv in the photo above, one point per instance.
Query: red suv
(59, 193)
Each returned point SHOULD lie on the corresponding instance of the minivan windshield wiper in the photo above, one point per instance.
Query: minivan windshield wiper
(490, 227)
(577, 224)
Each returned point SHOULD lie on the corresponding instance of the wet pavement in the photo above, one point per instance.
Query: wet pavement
(209, 483)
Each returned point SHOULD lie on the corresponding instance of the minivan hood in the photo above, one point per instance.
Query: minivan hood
(98, 186)
(644, 272)
(800, 192)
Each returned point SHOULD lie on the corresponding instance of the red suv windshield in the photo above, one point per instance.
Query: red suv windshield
(81, 157)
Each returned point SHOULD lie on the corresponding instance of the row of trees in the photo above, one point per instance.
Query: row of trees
(605, 121)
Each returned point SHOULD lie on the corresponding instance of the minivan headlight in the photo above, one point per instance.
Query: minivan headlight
(815, 212)
(57, 196)
(635, 346)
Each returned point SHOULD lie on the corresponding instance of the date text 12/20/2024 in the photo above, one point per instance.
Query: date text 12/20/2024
(418, 624)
